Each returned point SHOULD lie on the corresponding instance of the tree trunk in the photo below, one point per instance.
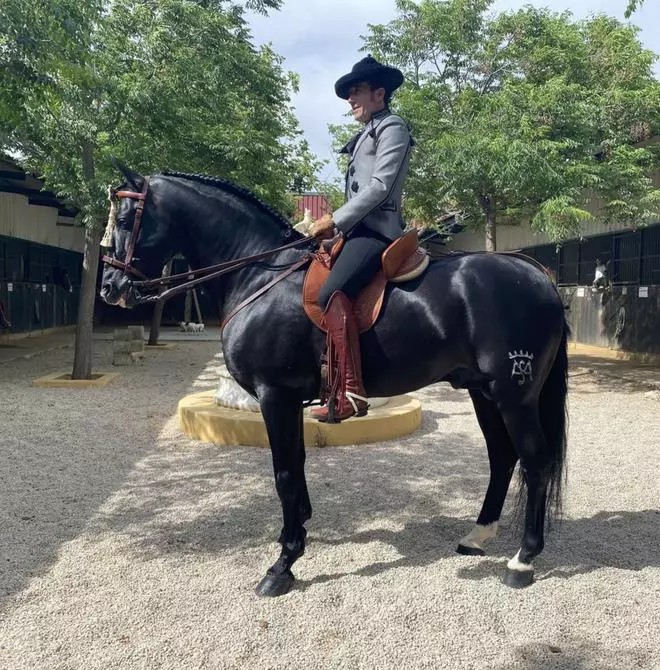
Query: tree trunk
(82, 357)
(154, 331)
(491, 236)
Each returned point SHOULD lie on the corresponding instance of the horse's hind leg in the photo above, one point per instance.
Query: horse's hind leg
(282, 414)
(524, 427)
(502, 457)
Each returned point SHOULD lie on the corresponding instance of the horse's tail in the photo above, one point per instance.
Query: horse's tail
(553, 413)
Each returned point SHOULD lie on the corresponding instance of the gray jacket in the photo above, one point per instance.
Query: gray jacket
(377, 168)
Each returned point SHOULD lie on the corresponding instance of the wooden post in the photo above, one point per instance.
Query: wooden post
(187, 307)
(154, 331)
(197, 309)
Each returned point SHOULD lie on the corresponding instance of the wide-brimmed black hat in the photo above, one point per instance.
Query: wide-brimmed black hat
(371, 71)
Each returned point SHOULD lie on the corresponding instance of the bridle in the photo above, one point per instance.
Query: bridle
(125, 265)
(207, 273)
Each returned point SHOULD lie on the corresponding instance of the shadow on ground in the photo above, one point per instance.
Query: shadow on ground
(64, 452)
(429, 487)
(603, 374)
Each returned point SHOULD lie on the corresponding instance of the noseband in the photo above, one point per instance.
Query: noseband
(125, 265)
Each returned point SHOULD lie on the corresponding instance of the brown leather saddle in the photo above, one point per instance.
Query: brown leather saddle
(402, 261)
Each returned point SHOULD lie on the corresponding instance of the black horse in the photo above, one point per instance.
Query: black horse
(492, 324)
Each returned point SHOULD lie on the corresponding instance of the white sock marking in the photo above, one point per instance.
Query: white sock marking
(516, 564)
(479, 535)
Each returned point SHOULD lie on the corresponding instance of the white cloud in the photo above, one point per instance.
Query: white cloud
(320, 40)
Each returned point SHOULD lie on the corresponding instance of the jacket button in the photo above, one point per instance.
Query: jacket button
(352, 170)
(355, 187)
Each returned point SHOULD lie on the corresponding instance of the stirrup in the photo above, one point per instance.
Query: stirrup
(352, 397)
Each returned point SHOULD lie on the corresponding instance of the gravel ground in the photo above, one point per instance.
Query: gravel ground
(123, 544)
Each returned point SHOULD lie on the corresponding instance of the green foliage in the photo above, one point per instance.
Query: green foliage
(523, 115)
(334, 193)
(157, 83)
(341, 135)
(633, 6)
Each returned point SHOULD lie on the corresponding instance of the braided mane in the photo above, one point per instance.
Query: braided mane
(231, 187)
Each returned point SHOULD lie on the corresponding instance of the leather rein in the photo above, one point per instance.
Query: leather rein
(206, 273)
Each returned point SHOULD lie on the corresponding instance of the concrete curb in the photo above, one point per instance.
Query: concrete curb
(202, 419)
(63, 380)
(578, 349)
(36, 352)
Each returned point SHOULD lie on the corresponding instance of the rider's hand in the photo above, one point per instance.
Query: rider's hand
(323, 228)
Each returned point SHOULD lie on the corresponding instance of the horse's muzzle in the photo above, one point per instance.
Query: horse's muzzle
(109, 293)
(127, 297)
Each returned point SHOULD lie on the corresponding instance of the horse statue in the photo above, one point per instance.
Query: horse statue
(61, 278)
(602, 281)
(492, 324)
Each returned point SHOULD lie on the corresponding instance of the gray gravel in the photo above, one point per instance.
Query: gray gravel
(123, 544)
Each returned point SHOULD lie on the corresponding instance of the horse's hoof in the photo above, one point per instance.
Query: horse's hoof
(272, 586)
(518, 579)
(470, 551)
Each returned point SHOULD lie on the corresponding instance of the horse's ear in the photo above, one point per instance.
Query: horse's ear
(607, 265)
(132, 177)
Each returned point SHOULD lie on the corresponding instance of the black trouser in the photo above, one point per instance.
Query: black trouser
(358, 262)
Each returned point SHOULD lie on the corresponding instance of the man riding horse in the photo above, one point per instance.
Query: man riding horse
(369, 221)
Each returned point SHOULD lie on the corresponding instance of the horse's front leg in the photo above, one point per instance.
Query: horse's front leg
(281, 410)
(305, 503)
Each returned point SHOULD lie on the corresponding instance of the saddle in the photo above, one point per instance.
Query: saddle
(402, 261)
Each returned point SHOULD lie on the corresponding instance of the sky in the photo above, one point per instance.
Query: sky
(320, 40)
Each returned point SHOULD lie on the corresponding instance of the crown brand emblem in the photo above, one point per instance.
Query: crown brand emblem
(521, 354)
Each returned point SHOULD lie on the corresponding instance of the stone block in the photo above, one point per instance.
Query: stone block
(122, 359)
(122, 347)
(137, 332)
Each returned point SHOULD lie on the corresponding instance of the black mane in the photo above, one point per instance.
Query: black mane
(220, 182)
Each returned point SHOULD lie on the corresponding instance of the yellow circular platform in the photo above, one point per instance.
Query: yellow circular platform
(202, 419)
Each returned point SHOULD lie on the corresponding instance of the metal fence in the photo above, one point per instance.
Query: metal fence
(31, 307)
(633, 255)
(32, 292)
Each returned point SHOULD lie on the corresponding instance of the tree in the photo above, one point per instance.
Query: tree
(334, 193)
(523, 115)
(157, 83)
(633, 6)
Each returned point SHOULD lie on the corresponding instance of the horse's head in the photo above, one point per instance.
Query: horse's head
(601, 276)
(137, 237)
(61, 278)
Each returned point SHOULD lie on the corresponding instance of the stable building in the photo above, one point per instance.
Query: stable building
(40, 255)
(626, 314)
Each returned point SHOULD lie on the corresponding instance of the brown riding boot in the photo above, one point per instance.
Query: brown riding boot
(342, 327)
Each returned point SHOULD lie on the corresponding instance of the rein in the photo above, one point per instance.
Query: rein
(210, 272)
(218, 270)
